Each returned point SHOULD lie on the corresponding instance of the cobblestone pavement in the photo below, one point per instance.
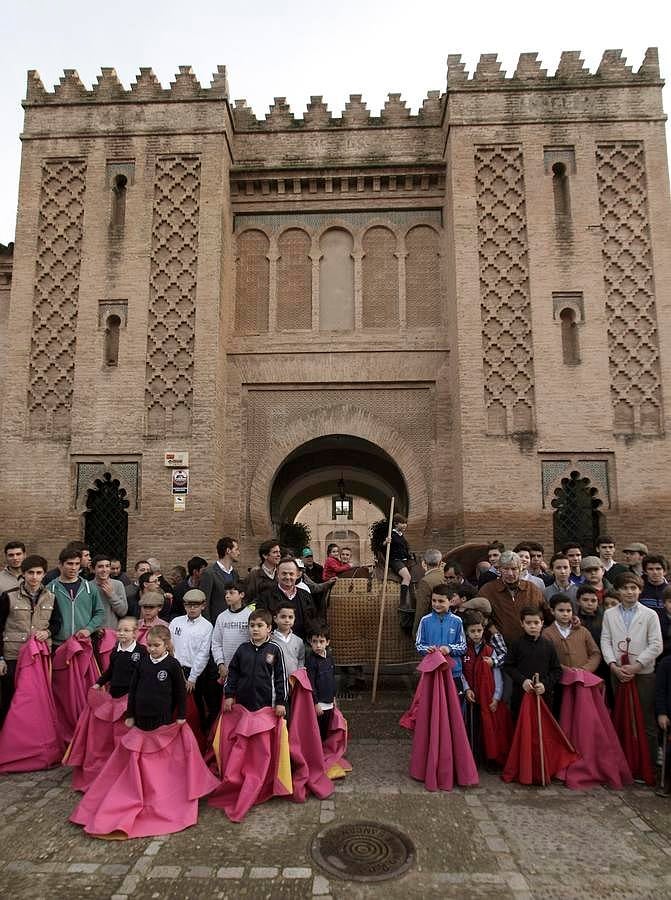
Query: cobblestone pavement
(499, 839)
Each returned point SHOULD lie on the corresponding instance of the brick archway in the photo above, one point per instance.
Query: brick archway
(347, 421)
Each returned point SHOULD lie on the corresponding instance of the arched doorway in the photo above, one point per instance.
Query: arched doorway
(330, 465)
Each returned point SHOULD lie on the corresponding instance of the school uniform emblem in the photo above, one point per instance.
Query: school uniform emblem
(162, 675)
(270, 659)
(135, 657)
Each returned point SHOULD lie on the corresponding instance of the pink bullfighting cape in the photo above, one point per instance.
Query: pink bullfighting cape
(97, 732)
(150, 785)
(106, 642)
(587, 724)
(630, 727)
(441, 755)
(30, 738)
(335, 746)
(308, 768)
(538, 752)
(252, 753)
(75, 670)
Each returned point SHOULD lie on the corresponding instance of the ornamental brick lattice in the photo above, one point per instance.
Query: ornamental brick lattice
(172, 305)
(504, 290)
(633, 345)
(56, 295)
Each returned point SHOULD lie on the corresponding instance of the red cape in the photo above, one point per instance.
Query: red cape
(630, 728)
(98, 730)
(440, 753)
(308, 768)
(586, 723)
(30, 739)
(524, 760)
(75, 670)
(497, 727)
(253, 755)
(193, 718)
(150, 785)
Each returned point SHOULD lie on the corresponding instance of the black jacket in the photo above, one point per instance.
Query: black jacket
(321, 671)
(256, 676)
(157, 689)
(302, 603)
(121, 669)
(527, 656)
(663, 687)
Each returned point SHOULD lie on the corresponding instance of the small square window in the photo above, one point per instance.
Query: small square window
(343, 506)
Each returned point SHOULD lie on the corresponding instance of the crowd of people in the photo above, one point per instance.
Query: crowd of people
(208, 638)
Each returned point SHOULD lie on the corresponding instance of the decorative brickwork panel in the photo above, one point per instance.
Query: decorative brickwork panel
(423, 278)
(56, 297)
(253, 283)
(172, 298)
(633, 346)
(380, 279)
(294, 280)
(336, 281)
(504, 290)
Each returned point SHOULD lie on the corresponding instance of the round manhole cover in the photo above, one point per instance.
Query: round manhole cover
(363, 851)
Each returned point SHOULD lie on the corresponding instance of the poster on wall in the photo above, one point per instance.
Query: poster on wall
(180, 481)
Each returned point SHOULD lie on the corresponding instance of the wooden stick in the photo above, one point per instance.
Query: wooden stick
(662, 779)
(376, 669)
(536, 680)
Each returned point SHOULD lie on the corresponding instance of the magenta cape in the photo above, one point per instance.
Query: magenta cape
(30, 739)
(193, 718)
(106, 643)
(335, 747)
(75, 670)
(524, 760)
(308, 768)
(252, 750)
(150, 785)
(441, 754)
(99, 728)
(586, 723)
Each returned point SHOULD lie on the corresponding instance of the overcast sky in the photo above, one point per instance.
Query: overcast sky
(296, 48)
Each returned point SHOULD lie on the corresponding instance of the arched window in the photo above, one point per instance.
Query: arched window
(253, 283)
(423, 281)
(336, 281)
(119, 186)
(294, 280)
(106, 519)
(569, 337)
(380, 279)
(576, 512)
(111, 344)
(560, 189)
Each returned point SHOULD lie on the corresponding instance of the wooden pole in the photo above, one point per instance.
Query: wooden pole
(540, 730)
(376, 668)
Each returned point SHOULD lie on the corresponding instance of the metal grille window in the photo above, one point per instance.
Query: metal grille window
(343, 506)
(106, 519)
(576, 512)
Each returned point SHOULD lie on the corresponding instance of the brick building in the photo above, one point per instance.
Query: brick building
(467, 308)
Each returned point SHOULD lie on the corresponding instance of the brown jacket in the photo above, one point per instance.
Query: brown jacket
(23, 620)
(577, 651)
(506, 606)
(423, 593)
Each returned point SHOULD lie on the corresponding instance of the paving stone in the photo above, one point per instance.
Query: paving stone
(199, 872)
(296, 872)
(114, 869)
(164, 872)
(320, 886)
(230, 872)
(263, 872)
(85, 868)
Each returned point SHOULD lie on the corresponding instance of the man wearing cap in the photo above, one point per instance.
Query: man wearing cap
(432, 563)
(192, 638)
(592, 569)
(633, 554)
(508, 594)
(312, 569)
